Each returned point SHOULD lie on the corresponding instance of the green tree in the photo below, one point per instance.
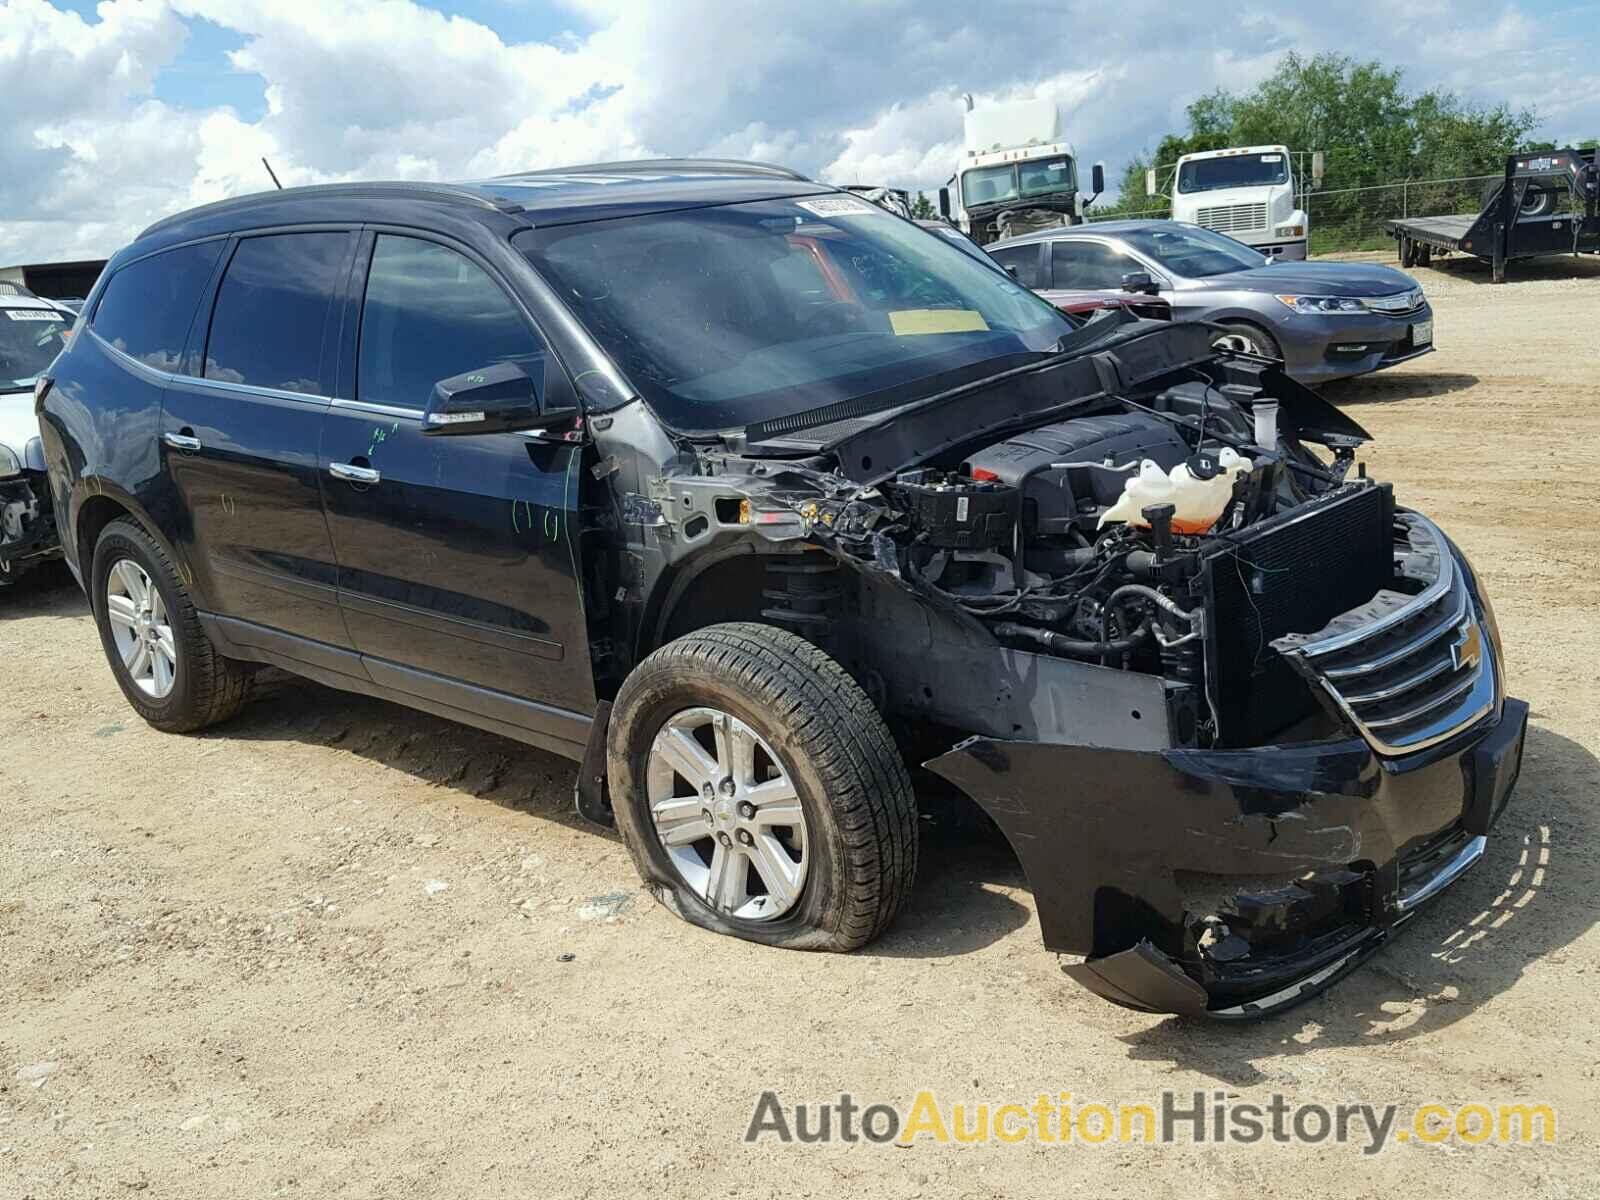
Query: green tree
(922, 209)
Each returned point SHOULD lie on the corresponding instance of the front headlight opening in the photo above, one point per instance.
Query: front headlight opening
(1324, 304)
(10, 464)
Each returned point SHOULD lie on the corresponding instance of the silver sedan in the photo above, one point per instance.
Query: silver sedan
(1326, 320)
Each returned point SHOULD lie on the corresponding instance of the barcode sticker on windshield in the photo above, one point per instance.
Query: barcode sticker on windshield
(1272, 158)
(1055, 166)
(33, 314)
(837, 206)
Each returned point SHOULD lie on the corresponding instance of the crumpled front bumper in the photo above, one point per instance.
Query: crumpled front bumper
(27, 524)
(1234, 883)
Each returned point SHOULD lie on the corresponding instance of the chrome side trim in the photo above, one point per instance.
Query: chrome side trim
(1466, 858)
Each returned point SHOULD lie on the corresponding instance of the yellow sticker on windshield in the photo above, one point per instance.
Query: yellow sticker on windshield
(910, 322)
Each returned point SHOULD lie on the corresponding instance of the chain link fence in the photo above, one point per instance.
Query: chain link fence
(1344, 219)
(1352, 218)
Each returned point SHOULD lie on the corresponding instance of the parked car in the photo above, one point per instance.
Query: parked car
(601, 461)
(1078, 306)
(32, 333)
(1326, 320)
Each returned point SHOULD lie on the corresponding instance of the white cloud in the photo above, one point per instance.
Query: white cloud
(866, 92)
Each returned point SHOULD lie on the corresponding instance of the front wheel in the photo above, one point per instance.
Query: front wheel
(759, 791)
(1246, 339)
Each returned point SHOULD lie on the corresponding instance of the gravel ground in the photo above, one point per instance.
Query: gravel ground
(319, 952)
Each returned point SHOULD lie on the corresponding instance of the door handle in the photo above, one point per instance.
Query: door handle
(182, 441)
(351, 473)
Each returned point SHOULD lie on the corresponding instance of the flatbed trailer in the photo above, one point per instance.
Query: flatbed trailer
(1547, 204)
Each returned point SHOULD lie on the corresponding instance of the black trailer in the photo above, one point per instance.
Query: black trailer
(1545, 205)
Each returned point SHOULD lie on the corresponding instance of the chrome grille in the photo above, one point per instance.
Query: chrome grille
(1408, 671)
(1233, 218)
(1401, 304)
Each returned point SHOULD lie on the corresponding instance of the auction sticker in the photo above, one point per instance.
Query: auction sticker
(838, 206)
(33, 314)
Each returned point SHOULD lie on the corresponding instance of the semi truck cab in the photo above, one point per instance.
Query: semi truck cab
(1246, 192)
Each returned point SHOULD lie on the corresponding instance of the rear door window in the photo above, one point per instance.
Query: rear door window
(1026, 261)
(1088, 266)
(148, 306)
(270, 324)
(431, 313)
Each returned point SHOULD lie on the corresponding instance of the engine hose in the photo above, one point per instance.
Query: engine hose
(1075, 647)
(1149, 593)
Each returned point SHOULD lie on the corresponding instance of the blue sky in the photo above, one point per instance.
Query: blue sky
(122, 111)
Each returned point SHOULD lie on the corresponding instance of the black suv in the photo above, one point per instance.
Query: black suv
(745, 493)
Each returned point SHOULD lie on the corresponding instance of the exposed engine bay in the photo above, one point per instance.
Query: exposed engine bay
(1121, 524)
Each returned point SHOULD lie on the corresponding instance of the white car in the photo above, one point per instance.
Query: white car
(32, 333)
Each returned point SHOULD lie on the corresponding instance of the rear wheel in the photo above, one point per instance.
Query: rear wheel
(760, 792)
(161, 657)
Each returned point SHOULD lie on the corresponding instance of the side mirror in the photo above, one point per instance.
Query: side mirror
(496, 399)
(1139, 281)
(1097, 178)
(1150, 182)
(1011, 270)
(944, 203)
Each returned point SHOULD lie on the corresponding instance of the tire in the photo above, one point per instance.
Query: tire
(1537, 202)
(1251, 339)
(814, 730)
(202, 688)
(1408, 253)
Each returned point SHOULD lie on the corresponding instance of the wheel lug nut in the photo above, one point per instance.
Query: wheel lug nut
(706, 792)
(724, 839)
(747, 810)
(727, 787)
(705, 815)
(744, 836)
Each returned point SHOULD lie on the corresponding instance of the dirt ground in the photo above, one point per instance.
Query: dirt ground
(318, 952)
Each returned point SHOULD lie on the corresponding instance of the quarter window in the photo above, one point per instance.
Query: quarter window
(148, 306)
(271, 317)
(430, 314)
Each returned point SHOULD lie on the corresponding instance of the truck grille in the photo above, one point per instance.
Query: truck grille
(1288, 575)
(1233, 218)
(1407, 671)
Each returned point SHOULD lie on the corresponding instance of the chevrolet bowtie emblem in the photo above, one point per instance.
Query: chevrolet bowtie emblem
(1467, 650)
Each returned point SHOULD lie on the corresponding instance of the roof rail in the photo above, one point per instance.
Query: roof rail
(444, 192)
(682, 166)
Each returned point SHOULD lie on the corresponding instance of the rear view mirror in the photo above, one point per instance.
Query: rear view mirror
(1139, 281)
(496, 399)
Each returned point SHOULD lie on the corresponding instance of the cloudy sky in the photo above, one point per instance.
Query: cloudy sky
(115, 113)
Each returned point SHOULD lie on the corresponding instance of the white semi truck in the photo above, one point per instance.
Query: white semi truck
(1246, 192)
(1017, 172)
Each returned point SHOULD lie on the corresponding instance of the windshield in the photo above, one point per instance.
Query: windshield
(30, 338)
(1014, 181)
(1234, 170)
(1193, 253)
(739, 313)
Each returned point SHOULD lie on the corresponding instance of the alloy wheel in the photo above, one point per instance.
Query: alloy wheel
(726, 812)
(141, 629)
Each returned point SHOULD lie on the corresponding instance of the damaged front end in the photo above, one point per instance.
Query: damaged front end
(1235, 738)
(27, 525)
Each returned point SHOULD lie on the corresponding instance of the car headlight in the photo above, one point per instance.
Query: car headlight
(1290, 231)
(10, 464)
(1324, 304)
